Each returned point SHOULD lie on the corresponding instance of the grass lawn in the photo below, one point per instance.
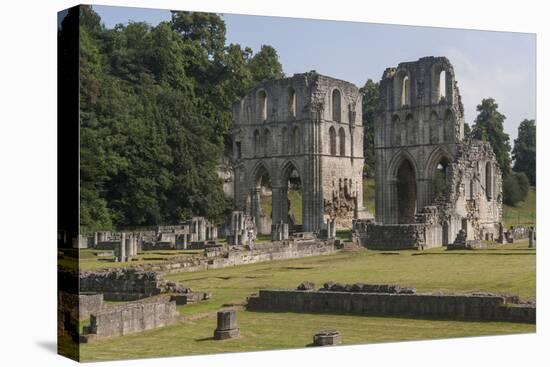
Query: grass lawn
(368, 195)
(524, 213)
(295, 198)
(507, 268)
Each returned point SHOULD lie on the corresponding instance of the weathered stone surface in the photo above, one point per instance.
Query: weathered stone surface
(227, 325)
(430, 181)
(327, 337)
(306, 286)
(130, 318)
(121, 284)
(425, 305)
(366, 288)
(307, 124)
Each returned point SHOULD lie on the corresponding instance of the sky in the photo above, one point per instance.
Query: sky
(501, 65)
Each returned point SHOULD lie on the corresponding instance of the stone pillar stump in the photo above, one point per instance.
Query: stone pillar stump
(227, 325)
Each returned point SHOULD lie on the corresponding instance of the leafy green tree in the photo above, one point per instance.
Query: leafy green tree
(489, 126)
(370, 93)
(155, 109)
(265, 65)
(515, 188)
(525, 150)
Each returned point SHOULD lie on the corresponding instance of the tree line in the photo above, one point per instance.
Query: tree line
(155, 116)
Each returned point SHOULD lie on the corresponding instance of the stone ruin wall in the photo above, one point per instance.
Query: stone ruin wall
(130, 318)
(419, 127)
(453, 306)
(279, 138)
(121, 284)
(81, 306)
(222, 258)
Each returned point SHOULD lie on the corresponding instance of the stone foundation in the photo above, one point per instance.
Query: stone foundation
(452, 306)
(121, 284)
(130, 318)
(327, 337)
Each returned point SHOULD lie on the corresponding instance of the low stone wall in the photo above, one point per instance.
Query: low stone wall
(400, 236)
(245, 255)
(80, 306)
(474, 307)
(130, 318)
(121, 284)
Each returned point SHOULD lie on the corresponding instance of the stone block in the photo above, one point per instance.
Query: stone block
(227, 325)
(327, 337)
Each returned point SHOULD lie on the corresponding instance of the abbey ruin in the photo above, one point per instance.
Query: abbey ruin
(430, 182)
(304, 130)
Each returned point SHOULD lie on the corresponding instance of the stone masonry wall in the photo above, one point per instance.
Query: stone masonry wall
(245, 255)
(80, 307)
(121, 284)
(476, 307)
(133, 317)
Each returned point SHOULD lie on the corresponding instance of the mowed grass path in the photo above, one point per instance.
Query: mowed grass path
(508, 268)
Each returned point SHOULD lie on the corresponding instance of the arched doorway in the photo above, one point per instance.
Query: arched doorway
(292, 197)
(406, 193)
(439, 180)
(262, 200)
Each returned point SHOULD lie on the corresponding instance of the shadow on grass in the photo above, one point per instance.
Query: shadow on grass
(205, 339)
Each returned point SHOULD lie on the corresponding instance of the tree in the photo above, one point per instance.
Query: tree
(525, 152)
(155, 109)
(370, 93)
(265, 65)
(515, 188)
(489, 126)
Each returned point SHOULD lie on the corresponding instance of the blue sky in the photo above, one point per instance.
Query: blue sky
(501, 65)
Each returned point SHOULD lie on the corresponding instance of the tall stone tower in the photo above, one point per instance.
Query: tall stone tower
(423, 163)
(308, 125)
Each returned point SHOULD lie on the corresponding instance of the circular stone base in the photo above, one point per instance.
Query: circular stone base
(328, 337)
(226, 334)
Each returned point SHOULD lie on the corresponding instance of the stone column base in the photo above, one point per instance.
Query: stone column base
(226, 334)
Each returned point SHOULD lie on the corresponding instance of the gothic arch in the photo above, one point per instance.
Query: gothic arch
(396, 161)
(332, 140)
(261, 98)
(336, 105)
(402, 88)
(267, 142)
(342, 142)
(286, 170)
(259, 169)
(434, 158)
(437, 71)
(291, 102)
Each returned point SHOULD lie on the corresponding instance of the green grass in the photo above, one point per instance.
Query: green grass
(506, 268)
(295, 198)
(264, 331)
(368, 195)
(524, 213)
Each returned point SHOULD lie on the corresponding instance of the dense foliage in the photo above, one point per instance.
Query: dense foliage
(155, 117)
(515, 188)
(525, 150)
(370, 93)
(489, 126)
